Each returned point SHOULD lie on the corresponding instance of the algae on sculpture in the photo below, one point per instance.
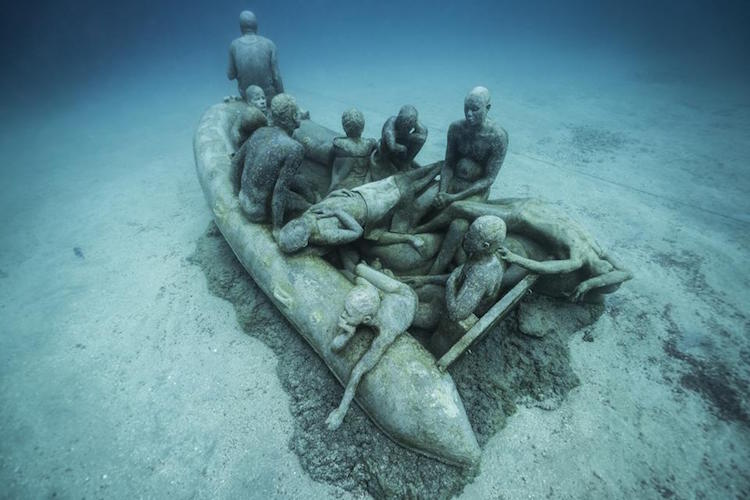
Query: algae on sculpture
(365, 251)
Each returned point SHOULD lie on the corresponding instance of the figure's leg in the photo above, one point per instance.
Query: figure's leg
(371, 358)
(442, 219)
(451, 244)
(430, 308)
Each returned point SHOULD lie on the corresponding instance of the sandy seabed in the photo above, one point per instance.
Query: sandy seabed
(122, 375)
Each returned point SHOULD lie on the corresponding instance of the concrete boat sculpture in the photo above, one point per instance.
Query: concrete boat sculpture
(406, 395)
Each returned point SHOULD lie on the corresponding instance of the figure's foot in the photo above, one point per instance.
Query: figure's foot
(334, 420)
(338, 342)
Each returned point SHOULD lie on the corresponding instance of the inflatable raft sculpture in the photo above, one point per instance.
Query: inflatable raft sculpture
(408, 394)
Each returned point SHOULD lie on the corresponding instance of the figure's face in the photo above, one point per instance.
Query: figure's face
(350, 318)
(475, 111)
(259, 101)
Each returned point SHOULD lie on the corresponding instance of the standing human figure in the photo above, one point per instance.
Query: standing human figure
(252, 59)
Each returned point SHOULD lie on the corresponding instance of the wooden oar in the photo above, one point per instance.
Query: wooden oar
(490, 318)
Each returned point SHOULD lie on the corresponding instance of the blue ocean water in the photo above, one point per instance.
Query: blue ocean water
(633, 115)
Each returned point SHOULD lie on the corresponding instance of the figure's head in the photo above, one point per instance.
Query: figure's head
(295, 235)
(361, 304)
(407, 118)
(476, 106)
(485, 235)
(353, 122)
(255, 96)
(248, 22)
(285, 113)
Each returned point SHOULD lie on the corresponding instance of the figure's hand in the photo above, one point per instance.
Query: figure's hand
(581, 290)
(322, 211)
(334, 420)
(442, 200)
(506, 255)
(339, 341)
(413, 281)
(304, 115)
(307, 142)
(416, 242)
(400, 149)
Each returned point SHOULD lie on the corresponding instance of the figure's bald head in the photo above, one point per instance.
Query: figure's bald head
(407, 118)
(248, 22)
(476, 106)
(481, 93)
(485, 234)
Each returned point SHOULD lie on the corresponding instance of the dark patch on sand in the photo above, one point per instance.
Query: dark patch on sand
(504, 370)
(711, 379)
(588, 141)
(78, 252)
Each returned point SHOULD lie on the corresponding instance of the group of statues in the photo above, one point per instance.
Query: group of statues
(423, 245)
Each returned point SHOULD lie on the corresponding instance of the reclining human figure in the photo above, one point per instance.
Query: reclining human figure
(349, 214)
(583, 271)
(384, 304)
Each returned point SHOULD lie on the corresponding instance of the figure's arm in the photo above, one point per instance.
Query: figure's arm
(389, 136)
(451, 157)
(306, 190)
(462, 302)
(380, 280)
(390, 238)
(281, 188)
(366, 363)
(547, 266)
(494, 163)
(350, 232)
(541, 267)
(232, 67)
(607, 279)
(275, 74)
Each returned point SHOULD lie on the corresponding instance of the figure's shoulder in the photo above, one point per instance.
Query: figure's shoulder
(495, 131)
(266, 41)
(456, 126)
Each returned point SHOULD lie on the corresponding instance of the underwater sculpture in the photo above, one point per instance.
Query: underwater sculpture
(345, 215)
(578, 268)
(351, 154)
(475, 151)
(270, 160)
(295, 185)
(251, 117)
(401, 140)
(382, 303)
(253, 61)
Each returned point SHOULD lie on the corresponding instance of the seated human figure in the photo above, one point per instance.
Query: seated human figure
(270, 160)
(351, 154)
(469, 288)
(402, 138)
(382, 303)
(253, 61)
(474, 154)
(251, 117)
(346, 215)
(254, 96)
(480, 277)
(580, 269)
